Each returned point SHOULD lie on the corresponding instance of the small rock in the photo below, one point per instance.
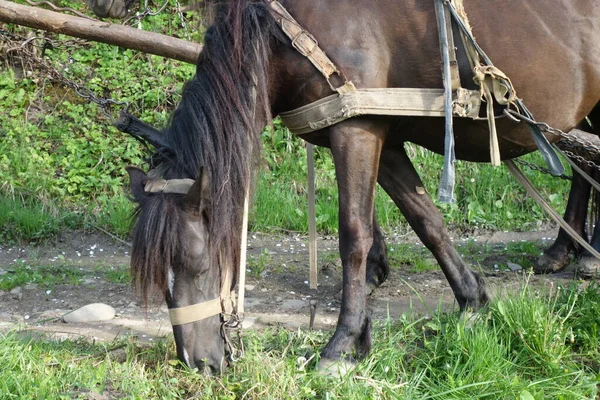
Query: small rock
(514, 267)
(5, 317)
(16, 290)
(263, 289)
(248, 322)
(249, 288)
(90, 313)
(31, 286)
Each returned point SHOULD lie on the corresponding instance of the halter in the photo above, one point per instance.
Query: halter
(226, 305)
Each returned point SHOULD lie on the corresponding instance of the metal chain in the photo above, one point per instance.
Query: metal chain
(517, 116)
(582, 160)
(84, 92)
(182, 18)
(146, 13)
(566, 140)
(236, 350)
(543, 170)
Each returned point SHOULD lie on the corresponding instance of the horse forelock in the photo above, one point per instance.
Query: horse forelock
(156, 240)
(215, 125)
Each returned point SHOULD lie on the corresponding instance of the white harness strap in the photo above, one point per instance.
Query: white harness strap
(195, 312)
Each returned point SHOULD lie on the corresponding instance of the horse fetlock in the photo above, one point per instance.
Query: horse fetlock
(554, 259)
(473, 294)
(349, 342)
(588, 267)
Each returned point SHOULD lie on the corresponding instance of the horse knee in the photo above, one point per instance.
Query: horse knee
(355, 247)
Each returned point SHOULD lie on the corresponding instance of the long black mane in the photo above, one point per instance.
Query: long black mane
(215, 127)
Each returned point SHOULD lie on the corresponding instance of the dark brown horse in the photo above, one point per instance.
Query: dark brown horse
(249, 72)
(558, 256)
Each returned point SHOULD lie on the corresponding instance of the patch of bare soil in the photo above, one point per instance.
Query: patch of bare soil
(277, 290)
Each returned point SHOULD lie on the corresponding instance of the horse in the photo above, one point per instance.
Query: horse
(556, 257)
(188, 242)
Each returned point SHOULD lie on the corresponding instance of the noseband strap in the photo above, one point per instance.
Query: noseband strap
(179, 186)
(195, 312)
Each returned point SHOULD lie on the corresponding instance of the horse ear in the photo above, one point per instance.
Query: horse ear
(137, 182)
(198, 197)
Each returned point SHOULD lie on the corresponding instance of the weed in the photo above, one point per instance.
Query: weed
(257, 264)
(116, 274)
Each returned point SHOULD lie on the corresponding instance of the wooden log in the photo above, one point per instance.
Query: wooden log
(99, 31)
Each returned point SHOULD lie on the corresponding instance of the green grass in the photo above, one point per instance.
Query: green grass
(257, 264)
(118, 274)
(20, 274)
(48, 276)
(26, 220)
(530, 345)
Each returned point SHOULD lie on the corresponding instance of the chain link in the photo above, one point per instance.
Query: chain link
(543, 170)
(146, 13)
(568, 138)
(182, 18)
(51, 72)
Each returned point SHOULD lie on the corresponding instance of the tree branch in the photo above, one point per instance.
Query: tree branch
(99, 31)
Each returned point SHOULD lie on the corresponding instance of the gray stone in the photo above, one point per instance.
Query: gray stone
(5, 317)
(16, 290)
(248, 322)
(514, 267)
(249, 288)
(90, 313)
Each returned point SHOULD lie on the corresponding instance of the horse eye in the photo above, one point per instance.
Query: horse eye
(198, 279)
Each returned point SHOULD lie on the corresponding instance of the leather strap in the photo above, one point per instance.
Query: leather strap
(394, 101)
(195, 312)
(308, 46)
(179, 186)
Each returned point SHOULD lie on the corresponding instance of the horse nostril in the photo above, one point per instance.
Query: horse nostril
(207, 368)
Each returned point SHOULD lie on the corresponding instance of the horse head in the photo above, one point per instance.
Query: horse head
(171, 251)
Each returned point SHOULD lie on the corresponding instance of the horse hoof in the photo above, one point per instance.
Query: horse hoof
(370, 288)
(470, 318)
(335, 368)
(548, 264)
(588, 267)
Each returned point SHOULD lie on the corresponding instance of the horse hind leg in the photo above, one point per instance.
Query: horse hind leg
(588, 266)
(400, 180)
(378, 267)
(557, 256)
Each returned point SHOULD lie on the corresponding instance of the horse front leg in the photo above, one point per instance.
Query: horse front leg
(401, 181)
(356, 147)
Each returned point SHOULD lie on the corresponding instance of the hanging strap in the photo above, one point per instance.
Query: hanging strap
(447, 181)
(494, 84)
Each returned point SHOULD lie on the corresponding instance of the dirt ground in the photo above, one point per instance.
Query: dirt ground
(277, 290)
